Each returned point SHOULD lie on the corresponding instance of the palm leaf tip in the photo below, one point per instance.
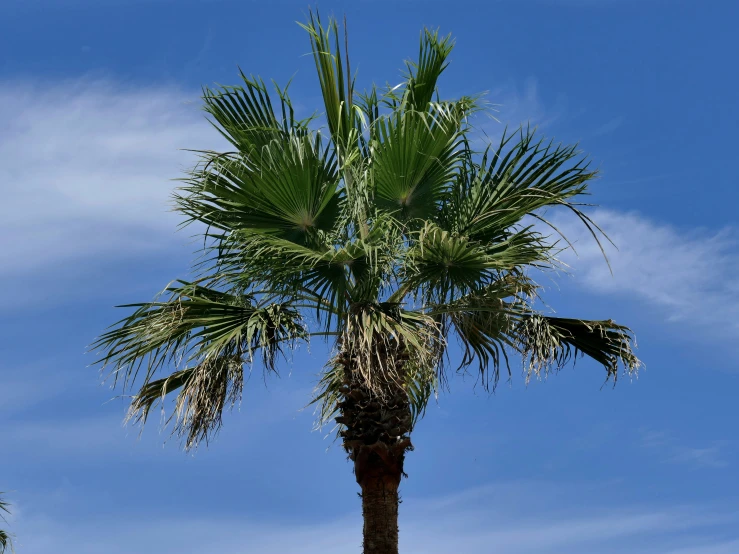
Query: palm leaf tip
(5, 542)
(5, 537)
(423, 74)
(499, 318)
(549, 343)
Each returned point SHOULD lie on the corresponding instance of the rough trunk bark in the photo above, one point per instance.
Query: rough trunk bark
(380, 511)
(376, 436)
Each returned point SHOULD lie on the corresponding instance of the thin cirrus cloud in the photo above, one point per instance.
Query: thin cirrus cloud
(609, 127)
(512, 105)
(689, 274)
(86, 168)
(708, 455)
(493, 522)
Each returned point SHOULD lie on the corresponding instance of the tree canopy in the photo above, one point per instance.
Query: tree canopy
(384, 226)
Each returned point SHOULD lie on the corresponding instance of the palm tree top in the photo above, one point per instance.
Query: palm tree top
(387, 231)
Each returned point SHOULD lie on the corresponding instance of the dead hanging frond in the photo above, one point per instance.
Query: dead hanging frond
(548, 343)
(328, 394)
(204, 392)
(384, 352)
(481, 321)
(382, 346)
(206, 337)
(421, 381)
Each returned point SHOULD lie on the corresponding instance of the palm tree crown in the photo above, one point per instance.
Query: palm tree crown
(389, 233)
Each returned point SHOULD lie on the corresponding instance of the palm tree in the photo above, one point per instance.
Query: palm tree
(388, 233)
(5, 541)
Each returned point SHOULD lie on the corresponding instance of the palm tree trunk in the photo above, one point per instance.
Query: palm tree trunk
(376, 436)
(379, 505)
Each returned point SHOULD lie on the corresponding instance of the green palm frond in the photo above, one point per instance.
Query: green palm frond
(290, 187)
(245, 115)
(416, 156)
(441, 265)
(424, 74)
(369, 105)
(329, 267)
(481, 320)
(336, 86)
(318, 271)
(5, 542)
(206, 336)
(516, 180)
(498, 320)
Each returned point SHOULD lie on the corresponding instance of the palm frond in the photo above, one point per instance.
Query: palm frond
(516, 180)
(289, 187)
(423, 74)
(369, 105)
(206, 336)
(5, 542)
(332, 270)
(548, 343)
(415, 159)
(246, 117)
(499, 319)
(441, 266)
(481, 321)
(336, 87)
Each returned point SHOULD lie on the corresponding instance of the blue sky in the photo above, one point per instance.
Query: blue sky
(95, 100)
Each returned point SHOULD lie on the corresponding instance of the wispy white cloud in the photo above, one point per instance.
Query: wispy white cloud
(518, 104)
(709, 455)
(27, 386)
(691, 275)
(427, 528)
(727, 547)
(86, 168)
(609, 127)
(514, 104)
